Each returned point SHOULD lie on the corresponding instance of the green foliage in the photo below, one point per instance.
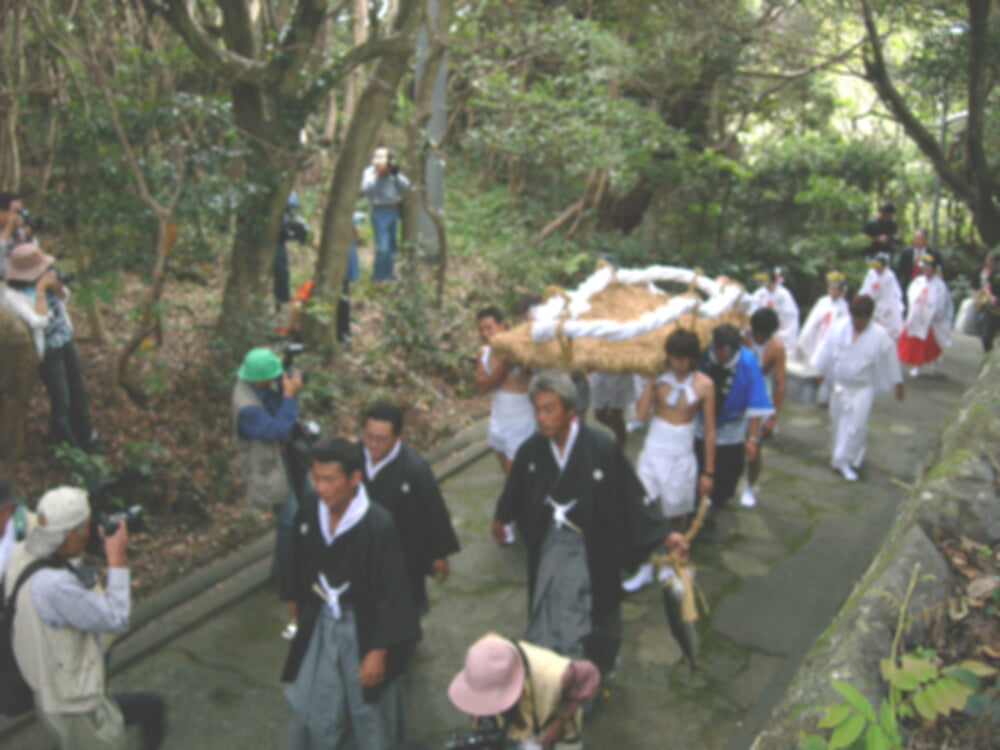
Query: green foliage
(919, 689)
(142, 458)
(80, 468)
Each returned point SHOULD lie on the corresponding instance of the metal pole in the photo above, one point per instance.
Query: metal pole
(428, 242)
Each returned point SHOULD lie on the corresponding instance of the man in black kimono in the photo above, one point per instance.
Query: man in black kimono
(585, 519)
(356, 618)
(398, 479)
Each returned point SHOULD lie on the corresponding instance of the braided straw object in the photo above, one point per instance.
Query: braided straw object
(618, 320)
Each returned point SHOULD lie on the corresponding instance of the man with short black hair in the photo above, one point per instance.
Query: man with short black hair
(61, 615)
(771, 356)
(881, 229)
(667, 465)
(356, 618)
(401, 481)
(741, 404)
(858, 359)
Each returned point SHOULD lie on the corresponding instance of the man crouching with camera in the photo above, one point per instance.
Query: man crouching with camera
(534, 696)
(62, 618)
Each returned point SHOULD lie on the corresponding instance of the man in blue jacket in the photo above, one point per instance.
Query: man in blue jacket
(741, 403)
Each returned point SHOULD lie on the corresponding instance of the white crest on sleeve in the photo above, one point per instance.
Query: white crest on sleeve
(598, 475)
(647, 500)
(304, 529)
(405, 487)
(531, 466)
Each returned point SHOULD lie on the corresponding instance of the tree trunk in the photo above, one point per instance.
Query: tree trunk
(359, 142)
(17, 379)
(271, 154)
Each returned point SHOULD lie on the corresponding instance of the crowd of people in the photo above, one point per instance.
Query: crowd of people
(361, 522)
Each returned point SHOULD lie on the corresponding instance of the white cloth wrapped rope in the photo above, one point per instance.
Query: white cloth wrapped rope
(560, 313)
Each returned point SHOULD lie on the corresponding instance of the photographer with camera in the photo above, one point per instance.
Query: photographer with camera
(294, 229)
(265, 411)
(61, 617)
(37, 293)
(384, 184)
(536, 695)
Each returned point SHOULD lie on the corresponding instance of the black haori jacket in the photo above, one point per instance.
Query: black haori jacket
(621, 526)
(368, 555)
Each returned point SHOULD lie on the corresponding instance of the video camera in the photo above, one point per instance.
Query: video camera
(66, 279)
(391, 164)
(34, 223)
(291, 351)
(102, 496)
(293, 228)
(488, 735)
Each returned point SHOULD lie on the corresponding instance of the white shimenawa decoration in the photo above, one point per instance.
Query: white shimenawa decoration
(721, 296)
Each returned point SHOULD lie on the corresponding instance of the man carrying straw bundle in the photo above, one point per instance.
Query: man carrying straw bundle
(667, 465)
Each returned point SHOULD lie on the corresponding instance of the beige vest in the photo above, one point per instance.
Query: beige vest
(63, 666)
(543, 693)
(260, 462)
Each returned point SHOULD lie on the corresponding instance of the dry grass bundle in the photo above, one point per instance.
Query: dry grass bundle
(642, 354)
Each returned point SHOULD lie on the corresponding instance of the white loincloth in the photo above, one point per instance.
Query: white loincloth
(850, 406)
(610, 391)
(512, 421)
(667, 466)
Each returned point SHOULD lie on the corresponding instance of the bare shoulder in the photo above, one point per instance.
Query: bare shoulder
(776, 349)
(703, 385)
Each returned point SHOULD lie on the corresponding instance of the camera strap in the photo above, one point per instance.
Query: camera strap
(536, 727)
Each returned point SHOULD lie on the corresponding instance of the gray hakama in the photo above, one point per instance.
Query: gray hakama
(561, 603)
(325, 699)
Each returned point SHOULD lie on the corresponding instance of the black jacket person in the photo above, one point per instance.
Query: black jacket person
(585, 519)
(400, 480)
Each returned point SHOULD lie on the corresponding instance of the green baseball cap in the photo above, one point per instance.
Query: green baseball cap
(260, 364)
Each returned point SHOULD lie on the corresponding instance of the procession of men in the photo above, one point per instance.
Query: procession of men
(366, 526)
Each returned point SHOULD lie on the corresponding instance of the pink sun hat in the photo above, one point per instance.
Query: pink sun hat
(492, 679)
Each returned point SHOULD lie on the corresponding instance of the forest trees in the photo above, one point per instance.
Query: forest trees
(946, 40)
(278, 67)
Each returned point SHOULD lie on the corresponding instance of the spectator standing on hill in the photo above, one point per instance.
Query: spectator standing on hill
(881, 230)
(988, 300)
(36, 295)
(385, 186)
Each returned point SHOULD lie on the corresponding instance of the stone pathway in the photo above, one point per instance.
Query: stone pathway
(774, 578)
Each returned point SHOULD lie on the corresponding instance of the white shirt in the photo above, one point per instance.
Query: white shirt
(352, 515)
(373, 469)
(868, 360)
(574, 430)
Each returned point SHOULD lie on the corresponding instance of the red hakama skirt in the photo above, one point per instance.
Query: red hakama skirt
(912, 351)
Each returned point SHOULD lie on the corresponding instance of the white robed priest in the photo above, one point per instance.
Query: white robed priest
(858, 359)
(881, 285)
(827, 310)
(773, 294)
